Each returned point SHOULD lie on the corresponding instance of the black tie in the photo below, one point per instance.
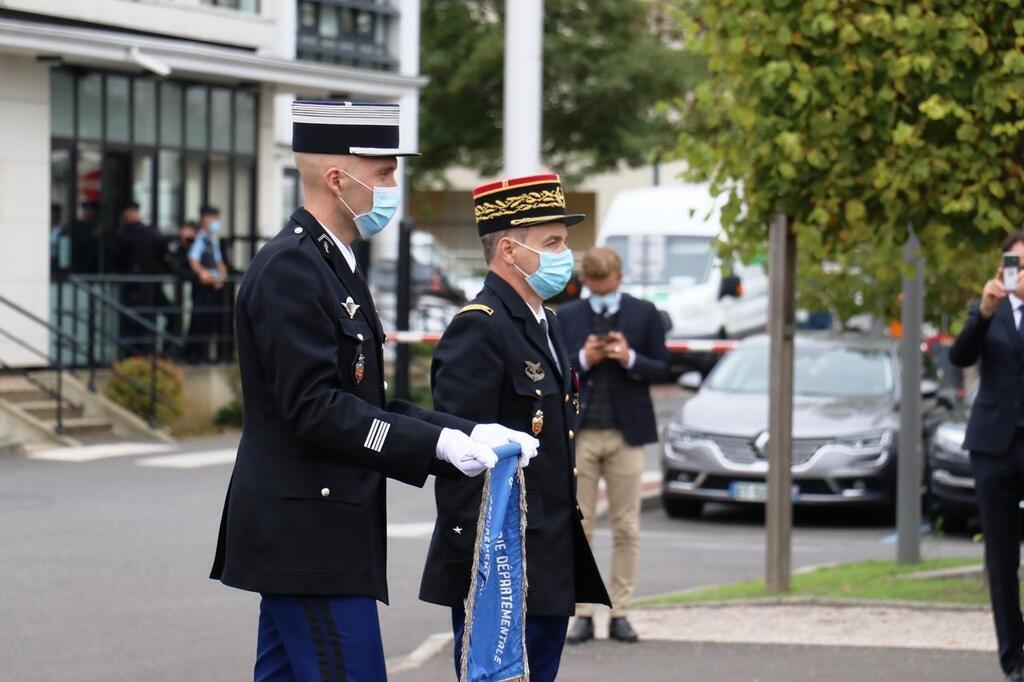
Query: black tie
(551, 346)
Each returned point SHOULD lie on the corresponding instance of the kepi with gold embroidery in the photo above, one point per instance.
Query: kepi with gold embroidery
(521, 202)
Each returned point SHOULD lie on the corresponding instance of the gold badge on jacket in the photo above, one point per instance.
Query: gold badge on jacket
(534, 371)
(538, 422)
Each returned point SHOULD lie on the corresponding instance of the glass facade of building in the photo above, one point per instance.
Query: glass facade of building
(351, 32)
(172, 146)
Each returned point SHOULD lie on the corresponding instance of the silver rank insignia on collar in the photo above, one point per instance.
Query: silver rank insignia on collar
(534, 371)
(325, 242)
(350, 307)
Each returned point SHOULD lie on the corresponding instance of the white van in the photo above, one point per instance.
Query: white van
(667, 237)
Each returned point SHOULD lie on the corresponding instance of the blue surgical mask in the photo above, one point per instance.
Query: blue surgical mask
(553, 274)
(604, 302)
(214, 227)
(385, 204)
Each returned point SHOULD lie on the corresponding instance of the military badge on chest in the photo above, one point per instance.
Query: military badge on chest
(534, 372)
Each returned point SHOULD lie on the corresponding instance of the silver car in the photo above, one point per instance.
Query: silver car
(845, 426)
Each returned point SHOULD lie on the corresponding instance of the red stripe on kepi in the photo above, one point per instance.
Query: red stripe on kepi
(514, 182)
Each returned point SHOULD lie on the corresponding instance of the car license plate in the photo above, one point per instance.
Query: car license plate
(745, 491)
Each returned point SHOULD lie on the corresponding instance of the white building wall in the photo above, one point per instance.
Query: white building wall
(186, 19)
(24, 202)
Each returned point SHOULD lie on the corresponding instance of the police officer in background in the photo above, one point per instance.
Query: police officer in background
(304, 521)
(503, 359)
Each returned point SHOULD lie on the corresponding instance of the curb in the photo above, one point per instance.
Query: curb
(816, 601)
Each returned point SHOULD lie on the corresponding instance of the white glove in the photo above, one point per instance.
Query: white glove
(493, 435)
(464, 453)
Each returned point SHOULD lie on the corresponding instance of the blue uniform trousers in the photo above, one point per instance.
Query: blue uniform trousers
(319, 639)
(545, 639)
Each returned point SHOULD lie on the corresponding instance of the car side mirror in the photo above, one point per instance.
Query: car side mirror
(691, 380)
(929, 388)
(731, 286)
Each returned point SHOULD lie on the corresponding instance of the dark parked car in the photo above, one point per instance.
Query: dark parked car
(845, 426)
(427, 280)
(950, 479)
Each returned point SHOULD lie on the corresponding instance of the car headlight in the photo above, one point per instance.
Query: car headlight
(874, 440)
(680, 437)
(950, 438)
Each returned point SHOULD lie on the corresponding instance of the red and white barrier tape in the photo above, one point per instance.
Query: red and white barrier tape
(673, 345)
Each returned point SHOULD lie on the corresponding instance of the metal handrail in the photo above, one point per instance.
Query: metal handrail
(90, 290)
(62, 338)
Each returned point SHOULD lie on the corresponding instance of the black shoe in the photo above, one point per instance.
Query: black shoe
(1017, 674)
(580, 631)
(621, 630)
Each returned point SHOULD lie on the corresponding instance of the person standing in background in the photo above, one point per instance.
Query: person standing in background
(207, 264)
(618, 344)
(994, 337)
(136, 252)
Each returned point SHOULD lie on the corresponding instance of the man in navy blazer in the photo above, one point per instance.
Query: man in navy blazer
(995, 439)
(617, 343)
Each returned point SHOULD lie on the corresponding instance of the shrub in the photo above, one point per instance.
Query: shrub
(129, 388)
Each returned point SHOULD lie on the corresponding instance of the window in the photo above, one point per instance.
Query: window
(169, 145)
(252, 6)
(352, 32)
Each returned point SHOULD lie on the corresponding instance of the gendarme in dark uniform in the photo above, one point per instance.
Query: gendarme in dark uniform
(495, 362)
(304, 522)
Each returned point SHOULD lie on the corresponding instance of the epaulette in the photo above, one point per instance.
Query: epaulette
(551, 310)
(476, 306)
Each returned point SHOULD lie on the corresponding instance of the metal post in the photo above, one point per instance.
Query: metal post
(60, 358)
(524, 37)
(403, 301)
(908, 478)
(152, 391)
(781, 326)
(91, 305)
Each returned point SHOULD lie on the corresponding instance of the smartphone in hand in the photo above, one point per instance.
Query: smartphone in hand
(1011, 266)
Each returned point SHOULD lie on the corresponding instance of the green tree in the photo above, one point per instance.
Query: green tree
(858, 120)
(607, 63)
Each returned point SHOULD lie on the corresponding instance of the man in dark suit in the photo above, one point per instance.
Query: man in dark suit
(503, 359)
(304, 521)
(618, 343)
(995, 439)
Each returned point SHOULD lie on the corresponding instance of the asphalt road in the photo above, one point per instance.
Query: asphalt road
(103, 567)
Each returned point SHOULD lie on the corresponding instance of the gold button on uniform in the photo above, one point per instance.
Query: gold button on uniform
(324, 492)
(575, 471)
(538, 392)
(572, 435)
(566, 397)
(359, 336)
(297, 230)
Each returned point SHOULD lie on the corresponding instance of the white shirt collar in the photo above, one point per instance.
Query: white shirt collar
(1015, 301)
(538, 313)
(346, 250)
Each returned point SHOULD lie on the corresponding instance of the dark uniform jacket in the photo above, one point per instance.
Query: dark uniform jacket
(640, 323)
(997, 410)
(305, 508)
(481, 372)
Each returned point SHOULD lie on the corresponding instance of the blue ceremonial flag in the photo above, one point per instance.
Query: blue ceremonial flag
(494, 640)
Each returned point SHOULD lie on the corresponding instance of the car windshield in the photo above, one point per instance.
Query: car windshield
(820, 371)
(664, 259)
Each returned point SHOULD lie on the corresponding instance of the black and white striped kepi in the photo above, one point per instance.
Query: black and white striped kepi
(357, 128)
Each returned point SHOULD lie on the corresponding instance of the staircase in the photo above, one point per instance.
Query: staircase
(21, 393)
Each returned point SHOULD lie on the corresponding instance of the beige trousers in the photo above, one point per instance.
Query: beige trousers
(602, 453)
